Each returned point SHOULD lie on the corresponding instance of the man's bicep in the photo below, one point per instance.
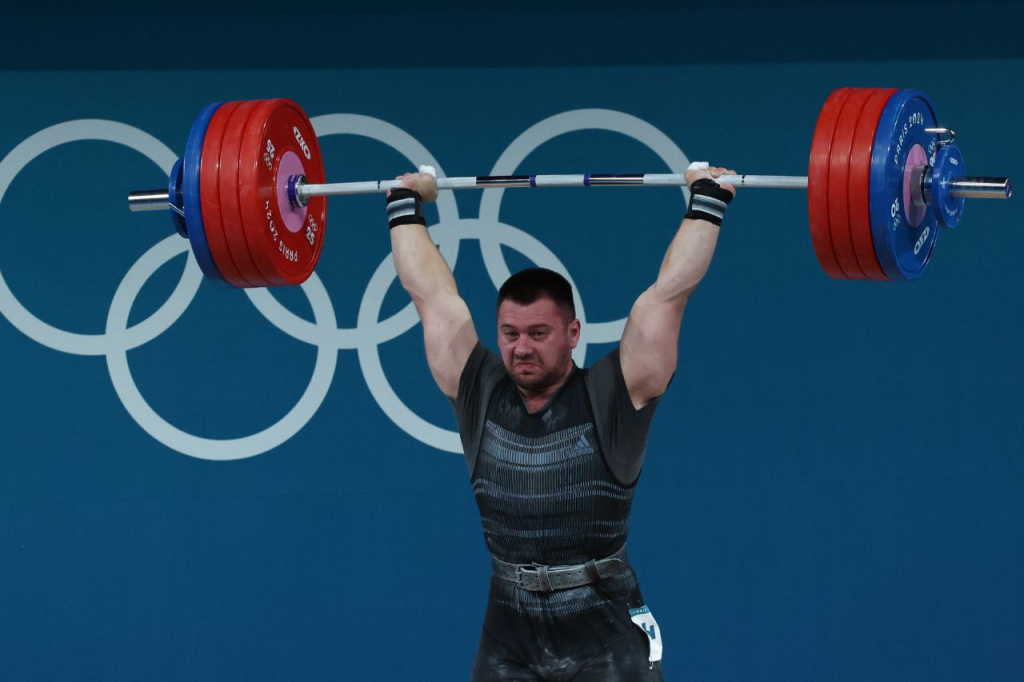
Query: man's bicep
(449, 337)
(649, 346)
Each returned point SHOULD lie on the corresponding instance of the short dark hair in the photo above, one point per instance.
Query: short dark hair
(531, 284)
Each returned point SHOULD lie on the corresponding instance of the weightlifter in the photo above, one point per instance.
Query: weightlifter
(554, 451)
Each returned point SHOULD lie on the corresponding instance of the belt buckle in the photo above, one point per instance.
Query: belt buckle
(529, 569)
(519, 575)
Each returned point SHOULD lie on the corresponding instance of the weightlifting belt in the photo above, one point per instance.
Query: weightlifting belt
(538, 578)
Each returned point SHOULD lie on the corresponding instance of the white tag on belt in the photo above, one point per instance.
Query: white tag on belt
(644, 620)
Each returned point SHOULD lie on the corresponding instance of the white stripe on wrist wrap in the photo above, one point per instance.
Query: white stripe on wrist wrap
(708, 201)
(405, 208)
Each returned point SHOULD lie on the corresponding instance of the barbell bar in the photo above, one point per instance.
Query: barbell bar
(883, 177)
(971, 188)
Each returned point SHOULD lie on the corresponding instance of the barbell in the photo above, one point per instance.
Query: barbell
(883, 177)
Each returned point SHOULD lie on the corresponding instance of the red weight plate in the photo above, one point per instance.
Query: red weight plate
(860, 174)
(279, 143)
(839, 182)
(248, 158)
(209, 172)
(231, 215)
(817, 183)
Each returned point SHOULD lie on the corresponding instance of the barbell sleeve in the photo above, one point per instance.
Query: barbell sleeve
(149, 200)
(981, 188)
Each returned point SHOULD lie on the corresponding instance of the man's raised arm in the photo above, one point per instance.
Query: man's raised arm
(448, 332)
(650, 339)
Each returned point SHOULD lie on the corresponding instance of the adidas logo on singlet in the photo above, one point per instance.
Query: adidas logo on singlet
(583, 445)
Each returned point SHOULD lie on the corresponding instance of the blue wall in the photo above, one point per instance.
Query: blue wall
(833, 483)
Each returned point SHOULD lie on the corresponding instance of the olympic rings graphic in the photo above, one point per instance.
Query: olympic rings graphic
(323, 333)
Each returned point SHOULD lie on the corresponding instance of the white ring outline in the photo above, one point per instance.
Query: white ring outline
(197, 446)
(94, 344)
(549, 128)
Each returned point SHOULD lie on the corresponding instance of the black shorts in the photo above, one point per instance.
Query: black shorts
(600, 643)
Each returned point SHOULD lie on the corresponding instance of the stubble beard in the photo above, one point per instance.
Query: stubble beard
(538, 382)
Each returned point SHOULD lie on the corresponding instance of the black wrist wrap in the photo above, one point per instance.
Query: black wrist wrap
(405, 208)
(708, 201)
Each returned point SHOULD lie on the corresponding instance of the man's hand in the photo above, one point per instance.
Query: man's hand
(711, 173)
(424, 184)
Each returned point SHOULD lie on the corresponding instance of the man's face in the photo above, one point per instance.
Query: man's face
(536, 342)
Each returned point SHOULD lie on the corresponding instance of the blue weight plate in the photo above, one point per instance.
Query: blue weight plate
(174, 194)
(948, 165)
(904, 237)
(191, 166)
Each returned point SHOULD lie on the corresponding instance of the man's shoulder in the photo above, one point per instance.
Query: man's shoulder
(609, 363)
(483, 371)
(486, 359)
